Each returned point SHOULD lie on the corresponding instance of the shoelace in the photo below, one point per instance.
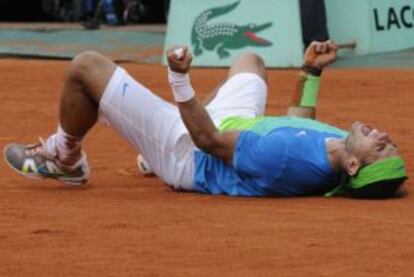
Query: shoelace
(38, 149)
(41, 149)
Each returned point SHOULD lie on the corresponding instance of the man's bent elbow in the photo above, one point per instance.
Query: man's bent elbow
(205, 142)
(218, 144)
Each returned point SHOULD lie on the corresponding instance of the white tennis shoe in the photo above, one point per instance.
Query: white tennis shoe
(143, 166)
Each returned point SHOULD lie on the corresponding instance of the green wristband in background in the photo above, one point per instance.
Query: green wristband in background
(310, 91)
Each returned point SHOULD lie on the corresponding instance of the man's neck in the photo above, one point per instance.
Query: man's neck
(336, 153)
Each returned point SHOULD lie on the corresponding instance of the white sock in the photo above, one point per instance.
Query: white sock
(63, 146)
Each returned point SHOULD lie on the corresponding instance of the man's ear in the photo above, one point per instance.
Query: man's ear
(352, 164)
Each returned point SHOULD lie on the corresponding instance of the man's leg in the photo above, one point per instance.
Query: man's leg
(86, 80)
(60, 156)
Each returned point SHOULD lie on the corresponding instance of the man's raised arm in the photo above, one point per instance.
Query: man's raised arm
(317, 56)
(195, 117)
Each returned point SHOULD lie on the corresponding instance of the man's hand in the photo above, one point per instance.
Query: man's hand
(179, 59)
(320, 54)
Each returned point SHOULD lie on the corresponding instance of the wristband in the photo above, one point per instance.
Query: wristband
(312, 70)
(181, 86)
(310, 91)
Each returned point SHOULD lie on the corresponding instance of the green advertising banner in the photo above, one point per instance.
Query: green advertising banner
(217, 31)
(392, 25)
(375, 25)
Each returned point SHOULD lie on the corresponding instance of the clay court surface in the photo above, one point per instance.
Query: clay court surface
(123, 224)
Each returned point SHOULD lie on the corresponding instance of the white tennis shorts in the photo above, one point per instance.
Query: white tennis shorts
(154, 126)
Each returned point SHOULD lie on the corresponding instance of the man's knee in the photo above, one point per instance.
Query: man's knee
(249, 62)
(83, 64)
(92, 71)
(251, 58)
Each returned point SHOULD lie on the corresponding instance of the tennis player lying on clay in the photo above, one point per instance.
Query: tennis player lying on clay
(226, 146)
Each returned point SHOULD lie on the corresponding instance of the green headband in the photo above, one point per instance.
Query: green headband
(388, 169)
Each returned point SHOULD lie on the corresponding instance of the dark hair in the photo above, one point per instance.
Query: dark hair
(378, 190)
